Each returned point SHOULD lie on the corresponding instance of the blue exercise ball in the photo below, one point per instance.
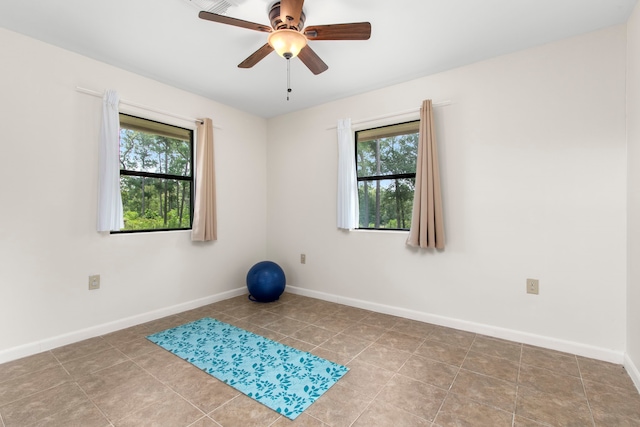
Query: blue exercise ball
(265, 281)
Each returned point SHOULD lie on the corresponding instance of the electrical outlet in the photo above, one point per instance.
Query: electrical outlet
(303, 259)
(532, 286)
(94, 282)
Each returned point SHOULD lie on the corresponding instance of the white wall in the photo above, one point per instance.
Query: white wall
(532, 152)
(633, 219)
(48, 242)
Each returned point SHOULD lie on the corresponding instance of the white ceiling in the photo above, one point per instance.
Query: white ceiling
(165, 40)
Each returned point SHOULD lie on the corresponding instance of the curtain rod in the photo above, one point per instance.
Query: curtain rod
(397, 114)
(143, 107)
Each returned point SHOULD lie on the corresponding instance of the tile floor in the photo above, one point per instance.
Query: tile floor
(403, 373)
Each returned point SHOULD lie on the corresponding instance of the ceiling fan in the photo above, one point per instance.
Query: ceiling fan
(288, 37)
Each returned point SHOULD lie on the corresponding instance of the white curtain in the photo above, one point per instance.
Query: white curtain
(205, 222)
(347, 179)
(109, 198)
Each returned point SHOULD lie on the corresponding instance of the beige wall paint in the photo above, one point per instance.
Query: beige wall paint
(633, 220)
(48, 242)
(532, 152)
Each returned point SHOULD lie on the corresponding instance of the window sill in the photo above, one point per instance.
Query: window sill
(148, 232)
(365, 230)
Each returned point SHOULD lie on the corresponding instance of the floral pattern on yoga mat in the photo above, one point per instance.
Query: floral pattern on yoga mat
(283, 378)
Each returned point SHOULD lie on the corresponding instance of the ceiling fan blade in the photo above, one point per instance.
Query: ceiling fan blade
(256, 56)
(353, 31)
(312, 60)
(290, 11)
(209, 16)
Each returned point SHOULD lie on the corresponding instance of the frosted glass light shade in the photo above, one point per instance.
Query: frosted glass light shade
(287, 41)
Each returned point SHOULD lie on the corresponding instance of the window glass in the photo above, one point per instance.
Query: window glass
(386, 170)
(156, 176)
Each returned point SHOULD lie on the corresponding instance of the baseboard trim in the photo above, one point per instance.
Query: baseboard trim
(493, 331)
(507, 334)
(105, 328)
(632, 370)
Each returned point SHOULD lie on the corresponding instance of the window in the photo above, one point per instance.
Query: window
(156, 175)
(386, 171)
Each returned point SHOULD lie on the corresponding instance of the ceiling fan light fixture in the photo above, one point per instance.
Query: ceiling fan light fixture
(287, 43)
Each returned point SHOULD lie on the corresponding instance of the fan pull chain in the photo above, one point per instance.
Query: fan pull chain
(288, 78)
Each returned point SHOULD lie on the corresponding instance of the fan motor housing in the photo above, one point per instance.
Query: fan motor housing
(276, 21)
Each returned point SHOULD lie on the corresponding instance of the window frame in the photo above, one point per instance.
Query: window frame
(374, 178)
(154, 175)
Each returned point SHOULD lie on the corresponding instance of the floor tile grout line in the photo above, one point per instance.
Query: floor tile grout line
(37, 392)
(377, 394)
(285, 418)
(72, 381)
(554, 373)
(62, 364)
(519, 386)
(354, 322)
(397, 372)
(58, 360)
(515, 409)
(176, 391)
(129, 359)
(584, 389)
(30, 372)
(224, 404)
(138, 409)
(275, 421)
(513, 412)
(551, 371)
(454, 379)
(98, 406)
(95, 404)
(461, 368)
(111, 346)
(614, 386)
(200, 419)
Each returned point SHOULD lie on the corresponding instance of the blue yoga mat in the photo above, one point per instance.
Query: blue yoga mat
(280, 377)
